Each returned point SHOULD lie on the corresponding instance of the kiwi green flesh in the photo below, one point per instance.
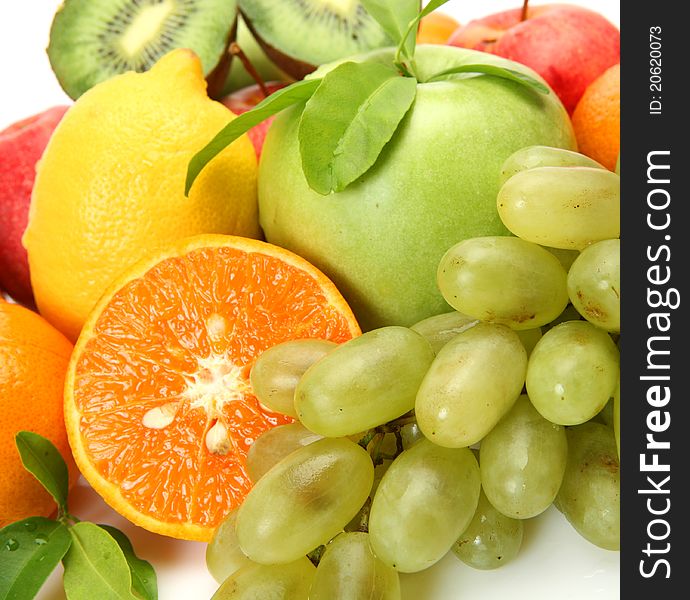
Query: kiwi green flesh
(296, 69)
(93, 40)
(299, 35)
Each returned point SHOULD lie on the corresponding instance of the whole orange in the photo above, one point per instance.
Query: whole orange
(436, 28)
(33, 364)
(597, 118)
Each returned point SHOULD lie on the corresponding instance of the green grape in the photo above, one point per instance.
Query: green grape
(366, 381)
(360, 522)
(572, 372)
(410, 434)
(471, 384)
(491, 540)
(569, 314)
(223, 553)
(565, 257)
(348, 570)
(531, 157)
(254, 581)
(605, 415)
(522, 461)
(617, 416)
(529, 338)
(594, 284)
(304, 500)
(590, 493)
(562, 207)
(439, 329)
(277, 370)
(424, 502)
(275, 444)
(383, 451)
(379, 472)
(503, 279)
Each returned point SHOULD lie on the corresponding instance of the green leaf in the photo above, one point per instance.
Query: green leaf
(45, 463)
(431, 6)
(496, 71)
(348, 121)
(29, 552)
(95, 566)
(143, 574)
(273, 104)
(395, 17)
(408, 39)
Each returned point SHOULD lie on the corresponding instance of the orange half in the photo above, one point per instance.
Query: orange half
(158, 406)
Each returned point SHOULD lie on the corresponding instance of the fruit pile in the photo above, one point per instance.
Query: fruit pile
(445, 436)
(334, 287)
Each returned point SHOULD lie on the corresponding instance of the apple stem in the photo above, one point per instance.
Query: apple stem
(523, 14)
(235, 50)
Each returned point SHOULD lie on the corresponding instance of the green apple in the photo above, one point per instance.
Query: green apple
(434, 184)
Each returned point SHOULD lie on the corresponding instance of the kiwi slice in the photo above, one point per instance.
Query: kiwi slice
(92, 40)
(299, 35)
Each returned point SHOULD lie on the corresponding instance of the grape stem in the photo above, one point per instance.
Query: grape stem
(366, 439)
(315, 555)
(397, 424)
(363, 525)
(377, 457)
(398, 442)
(377, 434)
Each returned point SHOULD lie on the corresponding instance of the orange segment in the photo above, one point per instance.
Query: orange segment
(158, 405)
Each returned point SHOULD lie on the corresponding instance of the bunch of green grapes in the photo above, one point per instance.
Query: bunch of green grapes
(413, 442)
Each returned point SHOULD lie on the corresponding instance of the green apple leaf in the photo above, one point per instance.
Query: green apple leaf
(45, 463)
(407, 44)
(273, 104)
(29, 551)
(95, 566)
(395, 17)
(349, 119)
(496, 71)
(430, 7)
(144, 581)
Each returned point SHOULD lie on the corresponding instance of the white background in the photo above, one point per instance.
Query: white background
(555, 563)
(28, 84)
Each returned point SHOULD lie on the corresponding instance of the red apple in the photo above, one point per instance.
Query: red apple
(247, 98)
(569, 46)
(21, 145)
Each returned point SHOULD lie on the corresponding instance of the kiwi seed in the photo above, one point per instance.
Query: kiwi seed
(92, 40)
(299, 35)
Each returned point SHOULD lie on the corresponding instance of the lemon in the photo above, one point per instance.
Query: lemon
(109, 187)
